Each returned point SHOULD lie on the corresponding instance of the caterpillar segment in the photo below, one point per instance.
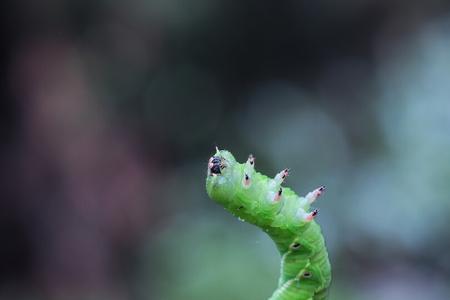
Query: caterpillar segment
(305, 272)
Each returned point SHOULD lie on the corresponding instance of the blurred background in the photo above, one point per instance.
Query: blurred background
(111, 109)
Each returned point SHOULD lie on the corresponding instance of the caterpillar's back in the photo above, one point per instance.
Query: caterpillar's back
(262, 201)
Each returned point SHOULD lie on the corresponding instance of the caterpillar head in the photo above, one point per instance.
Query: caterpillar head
(219, 161)
(220, 183)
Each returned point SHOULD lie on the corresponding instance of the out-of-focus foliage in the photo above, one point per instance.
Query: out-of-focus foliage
(111, 110)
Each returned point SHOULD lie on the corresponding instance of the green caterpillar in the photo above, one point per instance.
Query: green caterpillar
(284, 216)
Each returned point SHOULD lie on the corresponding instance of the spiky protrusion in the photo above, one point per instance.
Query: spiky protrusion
(249, 170)
(251, 160)
(309, 217)
(280, 177)
(312, 196)
(306, 217)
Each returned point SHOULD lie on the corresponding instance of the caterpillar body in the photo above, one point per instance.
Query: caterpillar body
(284, 216)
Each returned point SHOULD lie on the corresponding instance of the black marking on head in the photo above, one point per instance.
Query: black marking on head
(315, 212)
(306, 275)
(280, 191)
(246, 177)
(216, 162)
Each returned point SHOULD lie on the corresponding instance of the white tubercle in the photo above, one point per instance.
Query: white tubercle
(249, 167)
(280, 177)
(251, 160)
(312, 196)
(307, 217)
(312, 215)
(249, 170)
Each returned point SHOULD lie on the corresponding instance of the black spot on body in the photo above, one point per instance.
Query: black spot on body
(295, 246)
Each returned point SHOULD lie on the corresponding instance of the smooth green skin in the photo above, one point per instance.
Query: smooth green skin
(299, 242)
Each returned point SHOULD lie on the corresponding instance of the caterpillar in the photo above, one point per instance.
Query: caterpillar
(305, 272)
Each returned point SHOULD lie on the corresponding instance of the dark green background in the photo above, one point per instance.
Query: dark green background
(111, 110)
